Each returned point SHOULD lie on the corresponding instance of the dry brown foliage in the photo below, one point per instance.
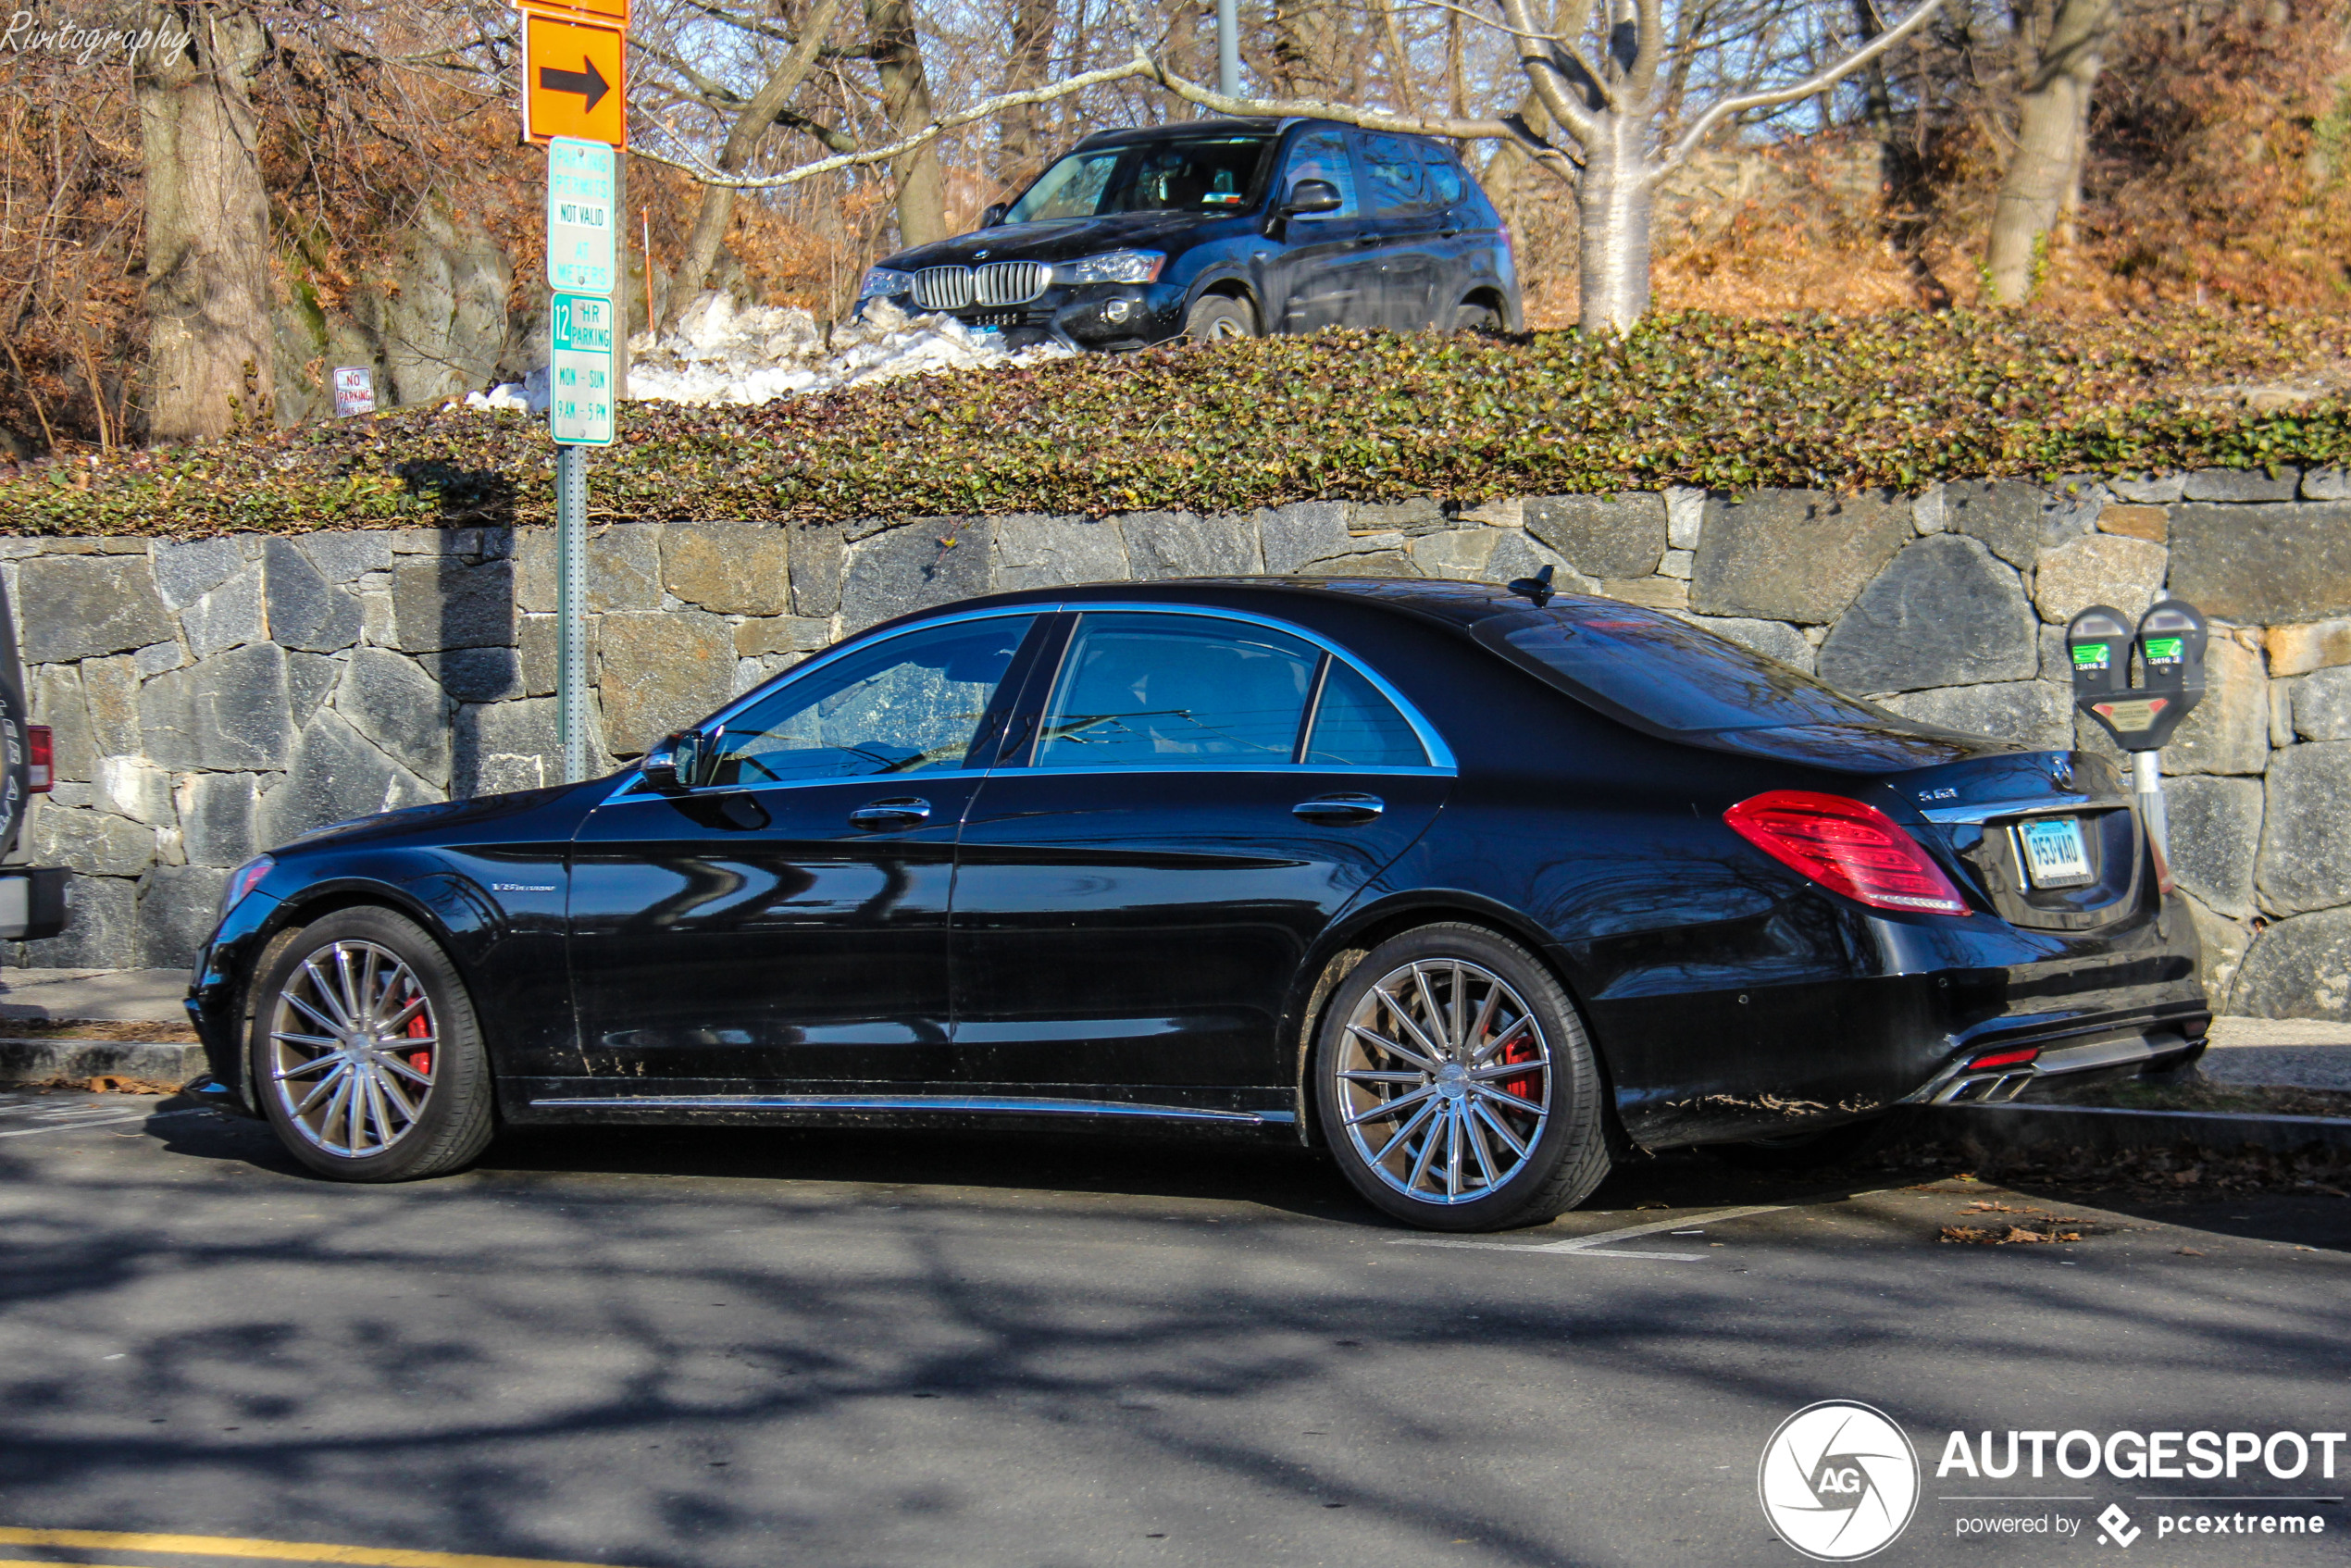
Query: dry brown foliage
(2219, 171)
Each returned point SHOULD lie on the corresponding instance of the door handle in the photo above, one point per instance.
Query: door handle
(1347, 807)
(899, 811)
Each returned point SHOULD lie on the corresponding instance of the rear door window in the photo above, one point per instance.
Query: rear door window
(1392, 176)
(1356, 726)
(1141, 690)
(1443, 175)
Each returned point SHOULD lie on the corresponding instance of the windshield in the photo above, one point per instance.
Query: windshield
(1668, 674)
(1196, 174)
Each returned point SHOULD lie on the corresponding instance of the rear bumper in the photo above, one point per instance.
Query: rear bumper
(33, 901)
(2065, 1061)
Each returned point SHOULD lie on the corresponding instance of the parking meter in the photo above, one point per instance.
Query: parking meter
(2168, 643)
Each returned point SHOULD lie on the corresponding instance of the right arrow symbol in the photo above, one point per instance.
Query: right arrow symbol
(587, 81)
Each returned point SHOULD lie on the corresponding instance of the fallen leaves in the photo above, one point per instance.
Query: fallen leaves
(2046, 1229)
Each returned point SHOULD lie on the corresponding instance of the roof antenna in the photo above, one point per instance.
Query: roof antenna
(1537, 587)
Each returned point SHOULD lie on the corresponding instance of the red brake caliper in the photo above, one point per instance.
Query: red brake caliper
(1526, 1089)
(419, 1027)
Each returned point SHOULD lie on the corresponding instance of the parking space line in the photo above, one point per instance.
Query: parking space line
(1597, 1245)
(95, 1122)
(286, 1551)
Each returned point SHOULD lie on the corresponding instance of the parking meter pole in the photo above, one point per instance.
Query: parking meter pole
(1228, 48)
(2146, 782)
(571, 601)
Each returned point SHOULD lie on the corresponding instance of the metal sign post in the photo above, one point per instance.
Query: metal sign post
(571, 607)
(580, 415)
(2170, 644)
(575, 101)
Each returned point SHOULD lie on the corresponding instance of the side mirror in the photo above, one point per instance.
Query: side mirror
(992, 215)
(675, 761)
(1309, 196)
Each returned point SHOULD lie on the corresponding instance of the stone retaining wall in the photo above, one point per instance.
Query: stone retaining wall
(215, 697)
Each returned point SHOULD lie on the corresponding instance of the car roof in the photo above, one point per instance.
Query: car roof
(1185, 130)
(1458, 605)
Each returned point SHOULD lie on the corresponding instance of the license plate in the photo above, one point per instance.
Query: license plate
(2055, 855)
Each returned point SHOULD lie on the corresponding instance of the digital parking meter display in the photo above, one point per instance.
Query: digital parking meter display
(2168, 647)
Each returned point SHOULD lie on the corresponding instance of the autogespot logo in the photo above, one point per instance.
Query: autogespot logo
(1838, 1481)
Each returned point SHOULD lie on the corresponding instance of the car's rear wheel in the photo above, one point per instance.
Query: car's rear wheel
(1456, 1086)
(1475, 318)
(367, 1056)
(1215, 317)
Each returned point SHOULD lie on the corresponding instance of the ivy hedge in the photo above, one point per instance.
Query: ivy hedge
(1731, 404)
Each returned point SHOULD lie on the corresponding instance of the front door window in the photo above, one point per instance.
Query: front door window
(907, 706)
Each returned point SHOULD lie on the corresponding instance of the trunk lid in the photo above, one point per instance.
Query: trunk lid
(1980, 811)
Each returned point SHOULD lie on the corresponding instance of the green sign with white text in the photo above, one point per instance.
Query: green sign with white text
(580, 401)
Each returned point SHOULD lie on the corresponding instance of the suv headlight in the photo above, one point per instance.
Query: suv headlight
(884, 280)
(1111, 266)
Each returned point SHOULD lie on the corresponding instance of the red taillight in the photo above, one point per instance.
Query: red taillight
(2005, 1058)
(41, 758)
(1847, 848)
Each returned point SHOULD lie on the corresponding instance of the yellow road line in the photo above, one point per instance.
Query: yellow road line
(289, 1552)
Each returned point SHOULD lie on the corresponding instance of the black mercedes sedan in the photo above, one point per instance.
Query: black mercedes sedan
(1477, 888)
(1224, 228)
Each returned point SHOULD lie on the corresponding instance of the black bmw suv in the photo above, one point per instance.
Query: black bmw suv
(1223, 227)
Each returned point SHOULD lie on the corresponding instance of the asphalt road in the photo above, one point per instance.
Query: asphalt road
(739, 1349)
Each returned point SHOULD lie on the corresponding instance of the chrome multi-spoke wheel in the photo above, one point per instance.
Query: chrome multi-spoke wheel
(352, 1046)
(364, 1049)
(1445, 1080)
(1455, 1085)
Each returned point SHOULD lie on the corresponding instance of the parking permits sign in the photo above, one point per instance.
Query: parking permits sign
(580, 402)
(580, 215)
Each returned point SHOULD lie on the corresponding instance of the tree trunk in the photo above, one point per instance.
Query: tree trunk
(1306, 34)
(717, 208)
(1022, 149)
(1613, 201)
(2055, 105)
(898, 58)
(208, 225)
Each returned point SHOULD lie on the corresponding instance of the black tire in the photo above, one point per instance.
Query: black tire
(1214, 317)
(1561, 1155)
(450, 1120)
(1475, 318)
(1805, 1151)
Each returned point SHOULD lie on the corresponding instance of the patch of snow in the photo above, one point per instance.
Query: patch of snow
(526, 396)
(719, 352)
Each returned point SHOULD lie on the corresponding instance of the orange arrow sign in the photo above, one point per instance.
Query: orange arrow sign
(573, 79)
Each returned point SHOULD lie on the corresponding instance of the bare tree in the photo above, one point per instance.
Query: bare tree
(1020, 148)
(2059, 60)
(208, 218)
(898, 59)
(717, 208)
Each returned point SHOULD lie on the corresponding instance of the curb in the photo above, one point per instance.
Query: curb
(33, 1060)
(2017, 1129)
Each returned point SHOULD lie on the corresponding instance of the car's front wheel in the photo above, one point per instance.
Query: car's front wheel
(366, 1057)
(1456, 1086)
(1216, 317)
